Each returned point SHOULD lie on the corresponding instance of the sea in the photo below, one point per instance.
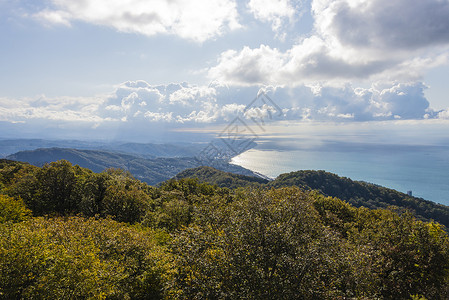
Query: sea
(403, 158)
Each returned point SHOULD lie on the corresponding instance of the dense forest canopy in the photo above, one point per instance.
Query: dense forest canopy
(68, 233)
(357, 193)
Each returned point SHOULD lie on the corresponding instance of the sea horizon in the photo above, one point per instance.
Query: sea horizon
(405, 160)
(415, 171)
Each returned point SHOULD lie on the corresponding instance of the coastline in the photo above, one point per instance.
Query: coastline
(418, 172)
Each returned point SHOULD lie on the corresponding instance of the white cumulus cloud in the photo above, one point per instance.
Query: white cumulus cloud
(138, 105)
(172, 103)
(67, 109)
(379, 102)
(351, 40)
(196, 20)
(276, 12)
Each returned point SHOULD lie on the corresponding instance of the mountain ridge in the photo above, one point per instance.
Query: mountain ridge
(220, 172)
(149, 170)
(148, 150)
(356, 193)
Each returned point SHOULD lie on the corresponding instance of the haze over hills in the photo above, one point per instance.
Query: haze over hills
(142, 161)
(148, 150)
(150, 170)
(149, 162)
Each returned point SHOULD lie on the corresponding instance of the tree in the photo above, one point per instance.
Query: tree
(77, 258)
(407, 257)
(13, 210)
(269, 245)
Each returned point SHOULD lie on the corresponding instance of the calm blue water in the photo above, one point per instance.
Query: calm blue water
(422, 169)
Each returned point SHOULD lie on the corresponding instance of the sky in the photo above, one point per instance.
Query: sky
(143, 70)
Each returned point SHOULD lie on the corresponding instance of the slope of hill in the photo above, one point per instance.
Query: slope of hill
(360, 193)
(354, 192)
(220, 178)
(133, 241)
(156, 150)
(151, 171)
(156, 170)
(147, 150)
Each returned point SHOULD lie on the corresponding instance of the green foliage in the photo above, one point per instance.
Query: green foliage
(271, 244)
(78, 258)
(174, 202)
(49, 189)
(125, 204)
(55, 183)
(408, 257)
(221, 178)
(363, 194)
(59, 188)
(401, 256)
(114, 193)
(173, 212)
(335, 213)
(306, 246)
(13, 210)
(192, 240)
(9, 168)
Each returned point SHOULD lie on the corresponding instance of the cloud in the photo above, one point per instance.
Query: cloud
(307, 62)
(249, 66)
(172, 103)
(56, 17)
(384, 24)
(196, 20)
(406, 101)
(351, 40)
(443, 114)
(140, 104)
(276, 12)
(66, 109)
(379, 102)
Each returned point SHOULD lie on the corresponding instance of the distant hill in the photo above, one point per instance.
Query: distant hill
(220, 178)
(156, 150)
(11, 146)
(356, 193)
(157, 170)
(147, 150)
(151, 171)
(360, 193)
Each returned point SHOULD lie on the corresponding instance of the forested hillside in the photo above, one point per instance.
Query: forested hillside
(357, 193)
(69, 233)
(150, 170)
(147, 150)
(221, 178)
(360, 193)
